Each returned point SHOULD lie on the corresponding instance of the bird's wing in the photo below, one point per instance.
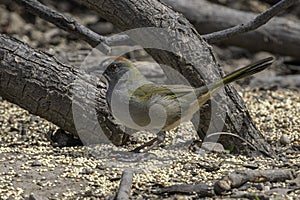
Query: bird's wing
(148, 90)
(180, 90)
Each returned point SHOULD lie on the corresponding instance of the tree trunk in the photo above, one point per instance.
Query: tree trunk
(60, 93)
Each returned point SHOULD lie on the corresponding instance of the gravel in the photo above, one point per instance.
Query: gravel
(31, 166)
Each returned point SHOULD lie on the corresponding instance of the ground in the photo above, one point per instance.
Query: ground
(30, 164)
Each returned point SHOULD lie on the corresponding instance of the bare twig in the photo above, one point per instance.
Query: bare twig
(238, 178)
(203, 190)
(251, 25)
(125, 185)
(279, 36)
(71, 26)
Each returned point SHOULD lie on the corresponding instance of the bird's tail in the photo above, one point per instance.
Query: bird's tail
(204, 93)
(246, 71)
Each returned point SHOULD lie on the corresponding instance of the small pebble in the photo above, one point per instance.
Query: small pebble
(213, 147)
(36, 163)
(36, 197)
(284, 139)
(267, 188)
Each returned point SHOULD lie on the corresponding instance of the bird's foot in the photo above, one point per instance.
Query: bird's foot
(151, 144)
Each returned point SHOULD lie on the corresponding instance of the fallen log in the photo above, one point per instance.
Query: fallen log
(60, 93)
(279, 36)
(238, 178)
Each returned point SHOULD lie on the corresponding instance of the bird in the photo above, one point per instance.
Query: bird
(140, 104)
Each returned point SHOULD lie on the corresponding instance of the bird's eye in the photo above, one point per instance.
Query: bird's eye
(114, 68)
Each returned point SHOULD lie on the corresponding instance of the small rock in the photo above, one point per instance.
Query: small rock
(279, 191)
(245, 186)
(23, 130)
(62, 139)
(36, 163)
(11, 120)
(212, 146)
(221, 186)
(209, 168)
(181, 197)
(284, 139)
(36, 197)
(267, 188)
(10, 198)
(87, 171)
(267, 119)
(296, 181)
(33, 118)
(13, 129)
(251, 165)
(259, 186)
(282, 158)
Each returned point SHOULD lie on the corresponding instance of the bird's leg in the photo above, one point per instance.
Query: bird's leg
(152, 143)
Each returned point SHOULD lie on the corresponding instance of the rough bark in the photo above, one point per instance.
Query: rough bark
(55, 91)
(125, 185)
(203, 190)
(238, 178)
(191, 56)
(279, 36)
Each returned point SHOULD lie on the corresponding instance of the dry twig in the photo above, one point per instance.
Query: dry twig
(279, 36)
(202, 190)
(125, 185)
(251, 25)
(238, 178)
(71, 25)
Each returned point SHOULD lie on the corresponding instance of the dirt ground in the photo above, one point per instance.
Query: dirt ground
(33, 168)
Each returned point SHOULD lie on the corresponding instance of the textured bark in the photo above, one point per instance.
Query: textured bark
(279, 36)
(57, 92)
(125, 185)
(238, 178)
(202, 190)
(191, 56)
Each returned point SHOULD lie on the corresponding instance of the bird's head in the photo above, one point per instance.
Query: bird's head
(118, 67)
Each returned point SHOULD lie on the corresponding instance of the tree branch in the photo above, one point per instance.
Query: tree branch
(203, 190)
(238, 178)
(279, 36)
(258, 21)
(60, 93)
(125, 185)
(71, 25)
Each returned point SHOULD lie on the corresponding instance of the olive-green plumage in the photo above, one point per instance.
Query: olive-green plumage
(160, 107)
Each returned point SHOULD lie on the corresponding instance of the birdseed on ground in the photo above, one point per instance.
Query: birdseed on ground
(30, 165)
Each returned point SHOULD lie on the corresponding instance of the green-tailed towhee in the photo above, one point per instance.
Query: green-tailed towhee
(141, 104)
